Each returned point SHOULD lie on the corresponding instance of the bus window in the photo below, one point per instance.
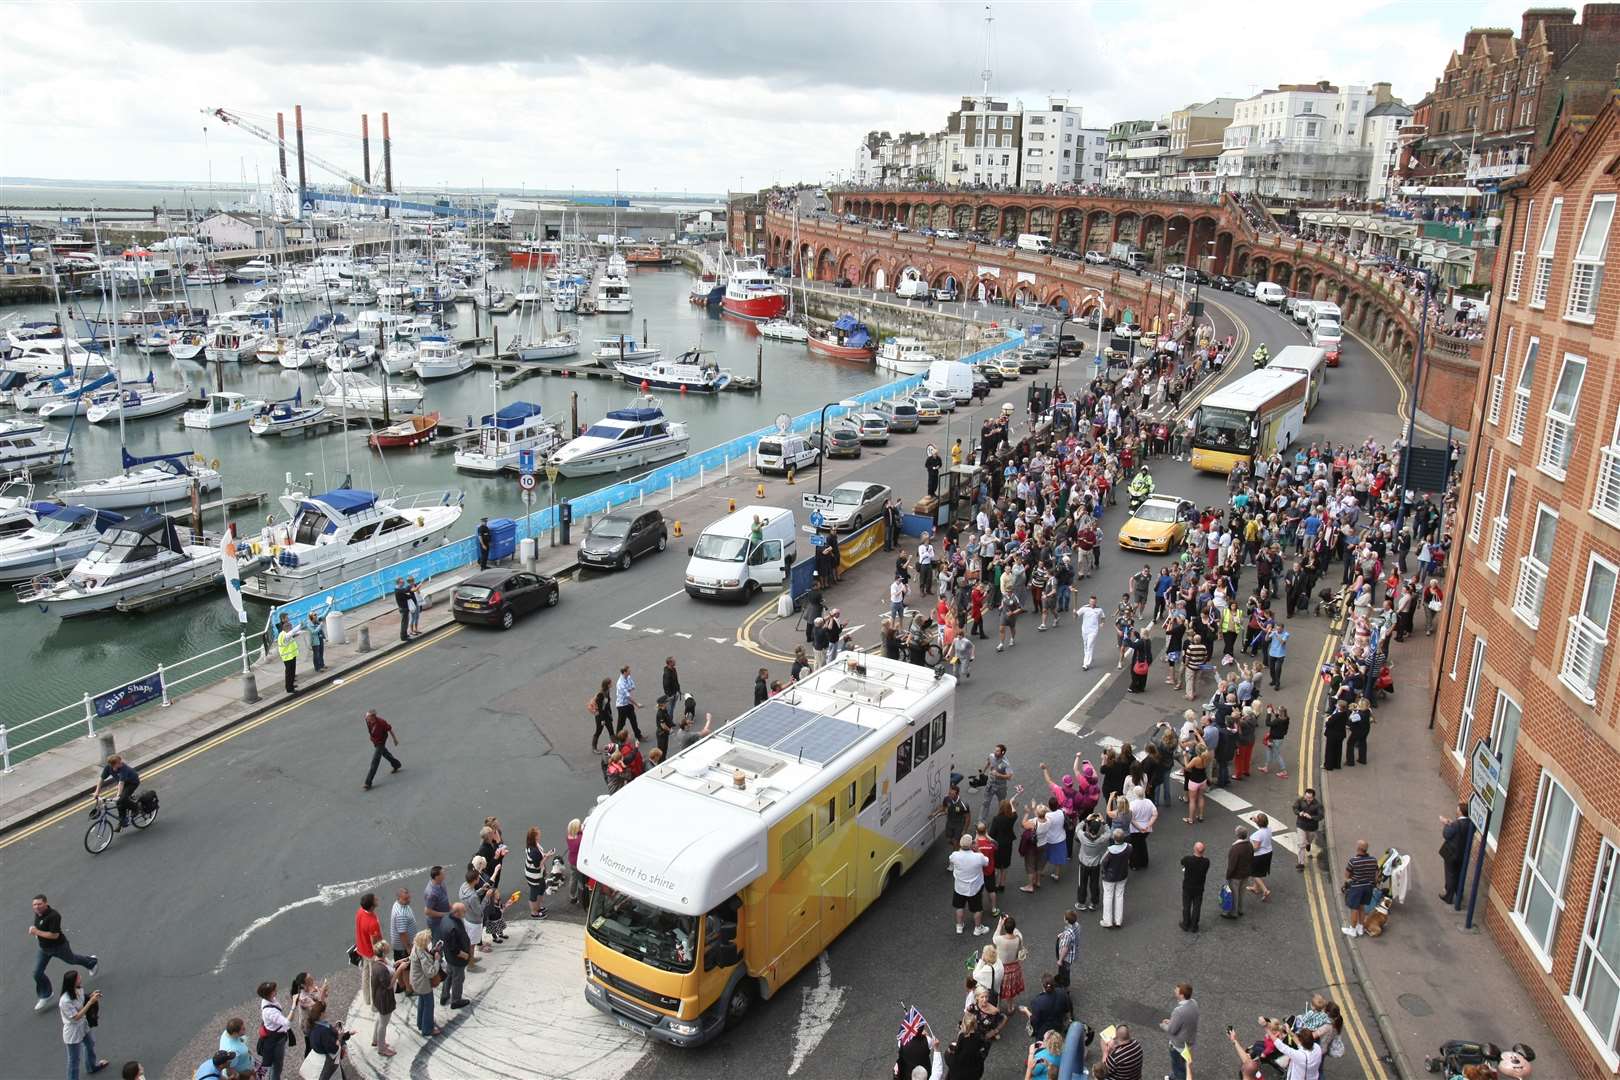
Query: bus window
(869, 788)
(849, 796)
(1223, 429)
(919, 748)
(796, 841)
(826, 817)
(902, 760)
(939, 732)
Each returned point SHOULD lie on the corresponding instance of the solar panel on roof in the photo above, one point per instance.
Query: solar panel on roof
(822, 740)
(769, 722)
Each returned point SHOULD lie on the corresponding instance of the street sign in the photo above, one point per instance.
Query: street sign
(816, 519)
(818, 540)
(1485, 772)
(526, 481)
(1479, 812)
(551, 473)
(525, 461)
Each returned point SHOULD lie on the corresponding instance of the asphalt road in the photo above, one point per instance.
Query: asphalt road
(266, 840)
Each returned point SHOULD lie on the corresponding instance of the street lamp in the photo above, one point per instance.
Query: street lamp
(1411, 419)
(1102, 310)
(821, 456)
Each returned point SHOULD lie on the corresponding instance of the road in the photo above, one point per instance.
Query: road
(266, 840)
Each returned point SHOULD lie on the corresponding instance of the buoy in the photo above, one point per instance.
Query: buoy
(683, 389)
(759, 491)
(731, 505)
(790, 472)
(677, 530)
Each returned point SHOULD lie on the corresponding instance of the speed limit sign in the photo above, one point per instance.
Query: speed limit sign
(526, 481)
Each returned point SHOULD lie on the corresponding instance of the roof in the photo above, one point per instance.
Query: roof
(686, 836)
(511, 416)
(347, 501)
(635, 415)
(1253, 389)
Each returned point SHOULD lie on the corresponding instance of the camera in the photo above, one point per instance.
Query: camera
(978, 780)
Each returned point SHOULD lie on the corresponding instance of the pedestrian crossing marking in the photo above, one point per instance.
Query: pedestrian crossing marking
(1222, 797)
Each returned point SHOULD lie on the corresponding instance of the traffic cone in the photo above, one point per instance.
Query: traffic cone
(790, 472)
(677, 529)
(731, 505)
(759, 491)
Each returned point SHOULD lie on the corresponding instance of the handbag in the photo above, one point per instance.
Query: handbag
(1139, 668)
(354, 956)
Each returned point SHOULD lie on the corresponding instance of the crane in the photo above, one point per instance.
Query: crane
(357, 186)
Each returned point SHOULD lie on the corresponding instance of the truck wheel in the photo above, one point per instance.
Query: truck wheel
(740, 1001)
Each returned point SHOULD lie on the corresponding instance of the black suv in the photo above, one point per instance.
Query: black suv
(620, 536)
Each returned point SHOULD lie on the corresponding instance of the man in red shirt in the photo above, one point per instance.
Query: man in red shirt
(366, 932)
(992, 885)
(380, 731)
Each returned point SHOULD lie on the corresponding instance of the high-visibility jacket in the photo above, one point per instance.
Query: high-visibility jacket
(287, 644)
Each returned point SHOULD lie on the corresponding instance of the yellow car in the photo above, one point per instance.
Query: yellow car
(1159, 524)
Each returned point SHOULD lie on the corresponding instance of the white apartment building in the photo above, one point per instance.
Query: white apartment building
(1306, 141)
(1091, 163)
(991, 132)
(1052, 145)
(1384, 123)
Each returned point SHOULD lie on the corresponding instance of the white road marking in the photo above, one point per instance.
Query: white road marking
(1067, 723)
(621, 625)
(1222, 797)
(740, 644)
(1108, 742)
(652, 629)
(1290, 842)
(328, 895)
(719, 640)
(822, 1004)
(649, 607)
(681, 635)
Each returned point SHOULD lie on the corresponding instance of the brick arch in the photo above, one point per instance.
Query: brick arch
(944, 279)
(1224, 242)
(1012, 220)
(1177, 239)
(1070, 225)
(1280, 272)
(986, 218)
(1128, 227)
(1303, 280)
(1150, 237)
(940, 216)
(1240, 263)
(1043, 220)
(826, 264)
(1090, 302)
(849, 267)
(902, 212)
(962, 217)
(990, 283)
(1056, 298)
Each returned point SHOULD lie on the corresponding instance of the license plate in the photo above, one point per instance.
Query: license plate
(472, 603)
(634, 1029)
(711, 592)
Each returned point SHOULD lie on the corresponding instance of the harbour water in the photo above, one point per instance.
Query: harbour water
(50, 661)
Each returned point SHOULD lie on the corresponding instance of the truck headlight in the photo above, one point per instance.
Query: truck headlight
(733, 583)
(681, 1027)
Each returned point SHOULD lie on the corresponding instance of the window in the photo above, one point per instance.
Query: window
(1586, 278)
(1504, 739)
(1499, 524)
(1307, 107)
(1527, 113)
(1589, 631)
(919, 748)
(1594, 991)
(1521, 393)
(1606, 497)
(1546, 863)
(1310, 131)
(1533, 567)
(902, 760)
(1476, 512)
(1558, 434)
(937, 728)
(1544, 255)
(1465, 722)
(826, 817)
(796, 841)
(1516, 272)
(1499, 380)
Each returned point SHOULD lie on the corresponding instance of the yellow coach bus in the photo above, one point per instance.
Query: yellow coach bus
(723, 872)
(1259, 413)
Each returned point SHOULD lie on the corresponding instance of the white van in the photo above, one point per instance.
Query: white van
(725, 562)
(1323, 311)
(1269, 292)
(912, 288)
(778, 453)
(1326, 334)
(1028, 241)
(951, 375)
(1298, 308)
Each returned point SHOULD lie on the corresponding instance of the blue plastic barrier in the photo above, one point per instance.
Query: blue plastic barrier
(363, 590)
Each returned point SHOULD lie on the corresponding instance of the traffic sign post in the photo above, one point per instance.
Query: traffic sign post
(816, 519)
(1484, 774)
(526, 481)
(526, 461)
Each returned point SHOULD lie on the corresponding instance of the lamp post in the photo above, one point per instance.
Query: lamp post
(1411, 417)
(821, 457)
(1102, 311)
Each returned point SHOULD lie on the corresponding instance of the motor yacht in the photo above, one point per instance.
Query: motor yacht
(689, 373)
(504, 435)
(631, 438)
(624, 349)
(131, 560)
(287, 417)
(26, 445)
(440, 358)
(223, 409)
(60, 537)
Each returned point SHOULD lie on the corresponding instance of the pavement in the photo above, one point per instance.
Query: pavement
(267, 839)
(1433, 979)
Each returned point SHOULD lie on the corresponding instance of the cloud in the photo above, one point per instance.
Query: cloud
(677, 95)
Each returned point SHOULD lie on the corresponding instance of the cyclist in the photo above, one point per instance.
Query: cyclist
(128, 780)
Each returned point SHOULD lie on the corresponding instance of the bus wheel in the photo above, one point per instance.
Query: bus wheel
(891, 879)
(740, 1002)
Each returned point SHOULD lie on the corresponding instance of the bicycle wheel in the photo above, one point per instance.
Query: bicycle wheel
(98, 836)
(142, 818)
(933, 656)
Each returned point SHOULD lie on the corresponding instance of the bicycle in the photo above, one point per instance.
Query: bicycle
(104, 819)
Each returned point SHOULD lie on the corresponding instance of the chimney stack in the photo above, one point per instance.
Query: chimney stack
(388, 157)
(303, 183)
(281, 141)
(365, 146)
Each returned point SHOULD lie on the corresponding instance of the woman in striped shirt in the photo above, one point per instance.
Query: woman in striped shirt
(534, 871)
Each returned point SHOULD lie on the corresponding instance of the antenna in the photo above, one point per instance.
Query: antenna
(985, 72)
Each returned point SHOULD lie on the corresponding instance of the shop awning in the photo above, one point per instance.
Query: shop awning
(1453, 192)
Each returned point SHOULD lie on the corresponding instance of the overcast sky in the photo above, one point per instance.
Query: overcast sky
(676, 96)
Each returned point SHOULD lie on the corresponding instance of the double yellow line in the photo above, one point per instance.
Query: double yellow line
(223, 737)
(745, 633)
(1322, 906)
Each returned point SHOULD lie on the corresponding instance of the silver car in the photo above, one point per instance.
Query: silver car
(850, 505)
(901, 415)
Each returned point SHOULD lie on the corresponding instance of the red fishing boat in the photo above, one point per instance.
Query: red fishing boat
(846, 339)
(752, 293)
(534, 256)
(412, 431)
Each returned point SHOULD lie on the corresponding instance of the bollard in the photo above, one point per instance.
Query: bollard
(700, 476)
(108, 747)
(365, 640)
(250, 688)
(163, 684)
(728, 464)
(790, 471)
(731, 505)
(759, 491)
(89, 718)
(5, 751)
(672, 489)
(677, 536)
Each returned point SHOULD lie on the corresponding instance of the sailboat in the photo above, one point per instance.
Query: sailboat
(133, 404)
(155, 480)
(532, 344)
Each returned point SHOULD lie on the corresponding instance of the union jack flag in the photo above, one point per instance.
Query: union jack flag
(911, 1027)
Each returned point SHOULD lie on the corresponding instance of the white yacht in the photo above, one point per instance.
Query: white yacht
(399, 357)
(223, 409)
(61, 537)
(783, 330)
(59, 387)
(688, 373)
(503, 436)
(904, 356)
(440, 358)
(18, 511)
(358, 394)
(145, 400)
(132, 560)
(624, 439)
(25, 445)
(554, 347)
(310, 352)
(624, 349)
(612, 293)
(344, 357)
(254, 272)
(48, 355)
(157, 480)
(330, 538)
(287, 417)
(187, 344)
(232, 342)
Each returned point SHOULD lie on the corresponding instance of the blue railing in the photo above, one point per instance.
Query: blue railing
(453, 556)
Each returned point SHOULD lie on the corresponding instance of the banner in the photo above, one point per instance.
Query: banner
(860, 545)
(233, 572)
(139, 692)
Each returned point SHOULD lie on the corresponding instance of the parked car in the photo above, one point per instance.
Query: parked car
(944, 296)
(498, 597)
(842, 441)
(944, 397)
(989, 373)
(850, 505)
(901, 415)
(1175, 271)
(621, 536)
(873, 429)
(1096, 258)
(841, 283)
(1243, 288)
(1222, 282)
(947, 234)
(1066, 253)
(928, 410)
(1006, 365)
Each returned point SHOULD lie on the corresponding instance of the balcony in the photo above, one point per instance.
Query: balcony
(1531, 587)
(1556, 443)
(1584, 285)
(1583, 659)
(1606, 499)
(1499, 531)
(1496, 172)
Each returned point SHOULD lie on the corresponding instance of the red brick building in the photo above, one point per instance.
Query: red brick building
(1527, 659)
